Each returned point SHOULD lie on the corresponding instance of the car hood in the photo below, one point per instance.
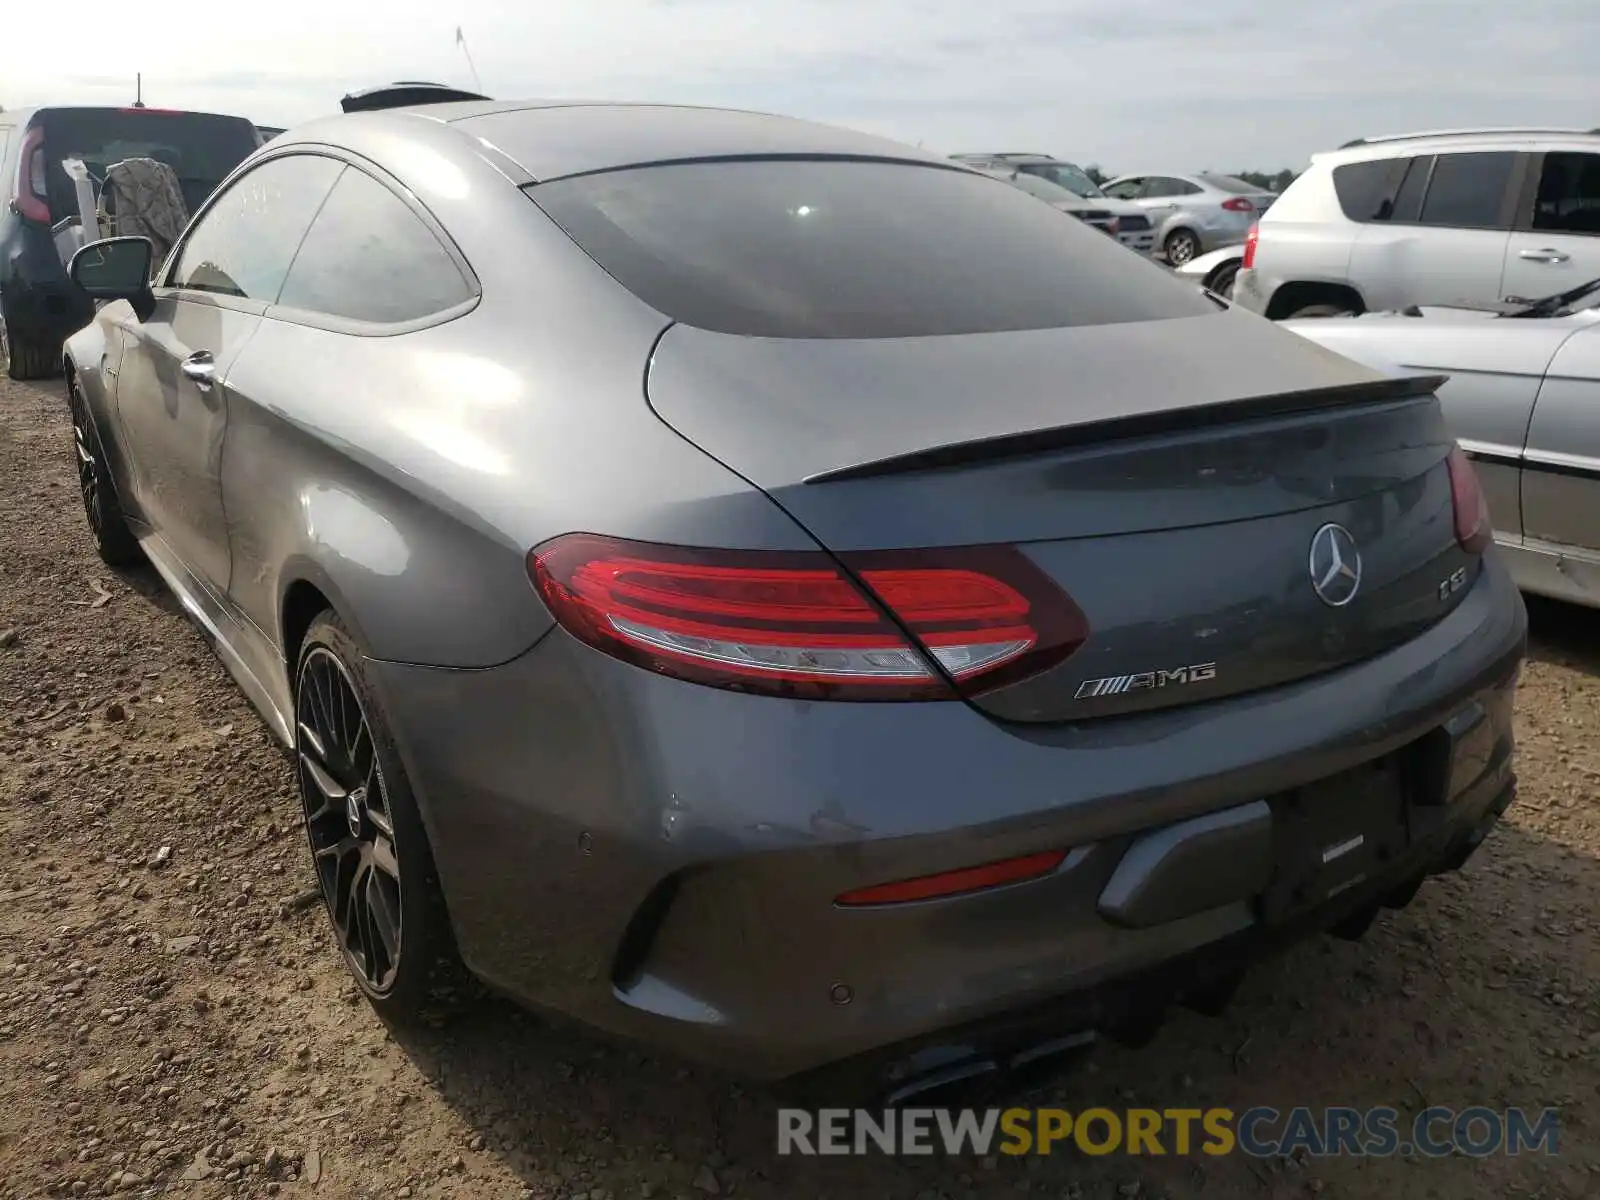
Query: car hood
(1122, 208)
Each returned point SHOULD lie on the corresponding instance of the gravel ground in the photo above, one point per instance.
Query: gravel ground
(172, 1021)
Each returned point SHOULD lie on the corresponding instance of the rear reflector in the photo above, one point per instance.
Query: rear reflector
(1238, 204)
(795, 623)
(1474, 530)
(956, 883)
(1250, 240)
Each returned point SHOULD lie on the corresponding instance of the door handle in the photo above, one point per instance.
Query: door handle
(1546, 255)
(201, 368)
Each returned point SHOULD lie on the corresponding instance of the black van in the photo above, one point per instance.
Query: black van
(39, 308)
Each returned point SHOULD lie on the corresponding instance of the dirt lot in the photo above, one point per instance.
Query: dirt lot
(170, 1023)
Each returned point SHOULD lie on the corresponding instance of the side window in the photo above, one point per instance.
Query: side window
(368, 257)
(1182, 187)
(1157, 188)
(244, 243)
(1568, 200)
(1408, 200)
(1366, 190)
(1127, 189)
(1468, 191)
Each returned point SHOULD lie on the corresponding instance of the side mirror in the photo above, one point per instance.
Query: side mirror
(116, 269)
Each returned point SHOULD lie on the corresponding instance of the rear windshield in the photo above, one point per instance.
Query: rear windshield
(1228, 183)
(851, 249)
(1075, 179)
(1043, 189)
(201, 147)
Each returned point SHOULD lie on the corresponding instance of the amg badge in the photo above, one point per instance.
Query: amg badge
(1117, 685)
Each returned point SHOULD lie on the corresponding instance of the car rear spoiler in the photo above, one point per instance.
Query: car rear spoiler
(405, 94)
(1169, 420)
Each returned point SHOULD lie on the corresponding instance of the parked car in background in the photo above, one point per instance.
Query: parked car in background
(1099, 213)
(1216, 271)
(810, 638)
(1194, 213)
(1523, 400)
(1470, 216)
(38, 306)
(1133, 227)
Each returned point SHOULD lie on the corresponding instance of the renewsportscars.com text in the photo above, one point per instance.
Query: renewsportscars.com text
(1260, 1132)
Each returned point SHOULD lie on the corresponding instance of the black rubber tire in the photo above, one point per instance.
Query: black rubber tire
(1222, 279)
(102, 511)
(1180, 246)
(29, 358)
(1321, 310)
(428, 967)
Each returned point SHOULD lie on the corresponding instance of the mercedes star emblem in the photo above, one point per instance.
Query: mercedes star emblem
(1335, 565)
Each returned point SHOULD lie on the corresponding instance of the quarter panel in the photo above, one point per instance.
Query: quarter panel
(416, 470)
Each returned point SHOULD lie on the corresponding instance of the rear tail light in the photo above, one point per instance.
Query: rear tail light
(32, 183)
(955, 883)
(1238, 204)
(889, 625)
(1473, 528)
(1250, 240)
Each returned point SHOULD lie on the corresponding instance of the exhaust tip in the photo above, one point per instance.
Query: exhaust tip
(948, 1083)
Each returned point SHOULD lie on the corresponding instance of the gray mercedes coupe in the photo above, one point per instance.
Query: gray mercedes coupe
(786, 597)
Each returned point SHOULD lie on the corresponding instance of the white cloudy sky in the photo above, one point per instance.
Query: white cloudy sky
(1130, 84)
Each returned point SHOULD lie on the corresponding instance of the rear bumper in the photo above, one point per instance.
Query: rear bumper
(1140, 241)
(660, 859)
(38, 299)
(1251, 291)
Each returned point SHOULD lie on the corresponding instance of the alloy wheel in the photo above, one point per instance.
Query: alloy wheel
(1181, 247)
(88, 467)
(348, 819)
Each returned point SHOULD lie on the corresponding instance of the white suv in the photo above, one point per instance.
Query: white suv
(1467, 215)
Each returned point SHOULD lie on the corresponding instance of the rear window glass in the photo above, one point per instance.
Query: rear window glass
(836, 249)
(201, 148)
(1228, 183)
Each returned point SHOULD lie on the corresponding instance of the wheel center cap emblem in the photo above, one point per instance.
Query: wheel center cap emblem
(1334, 565)
(353, 804)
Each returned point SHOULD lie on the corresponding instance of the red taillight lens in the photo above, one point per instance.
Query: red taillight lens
(1250, 240)
(794, 623)
(1473, 528)
(1238, 204)
(955, 883)
(32, 184)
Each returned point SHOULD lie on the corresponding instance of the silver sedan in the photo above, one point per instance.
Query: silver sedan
(1194, 213)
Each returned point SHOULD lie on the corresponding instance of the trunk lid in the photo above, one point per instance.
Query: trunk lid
(1170, 476)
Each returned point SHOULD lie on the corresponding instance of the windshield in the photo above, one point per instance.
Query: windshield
(1043, 189)
(840, 249)
(1064, 174)
(201, 148)
(1228, 183)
